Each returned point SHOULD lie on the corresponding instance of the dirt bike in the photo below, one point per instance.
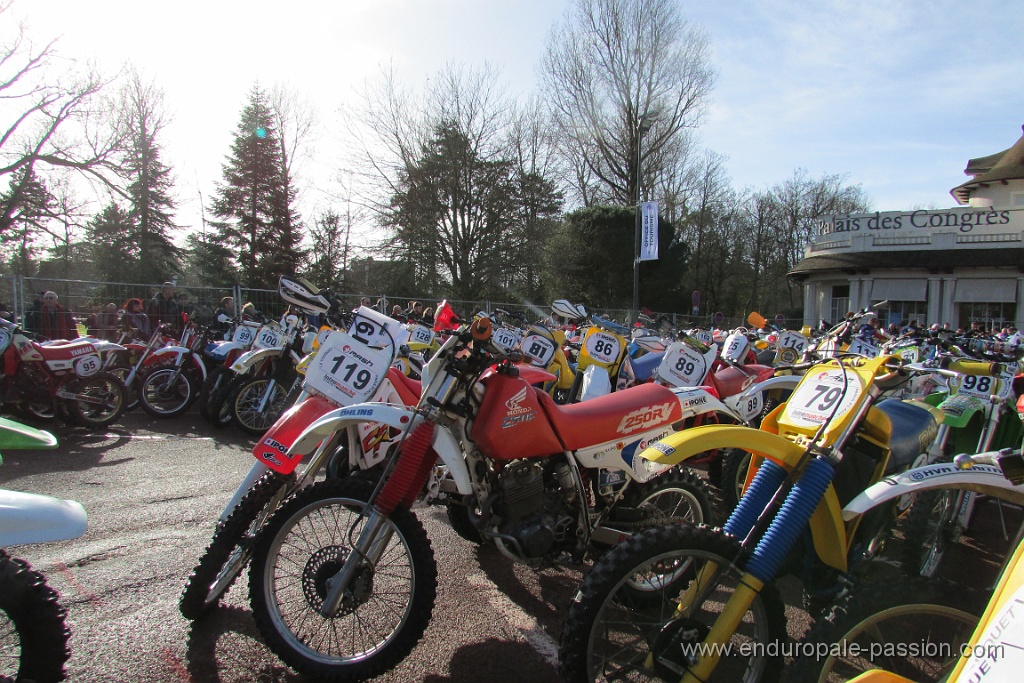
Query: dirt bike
(268, 483)
(866, 626)
(980, 415)
(222, 355)
(33, 633)
(172, 375)
(543, 347)
(64, 379)
(831, 440)
(128, 365)
(523, 473)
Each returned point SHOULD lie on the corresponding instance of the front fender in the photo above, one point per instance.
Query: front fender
(683, 445)
(986, 479)
(784, 382)
(160, 355)
(958, 410)
(400, 417)
(247, 360)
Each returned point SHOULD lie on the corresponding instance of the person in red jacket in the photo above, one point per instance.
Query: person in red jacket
(57, 322)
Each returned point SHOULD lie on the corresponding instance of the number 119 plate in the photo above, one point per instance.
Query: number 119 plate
(346, 371)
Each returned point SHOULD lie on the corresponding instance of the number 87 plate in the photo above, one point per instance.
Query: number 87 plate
(346, 371)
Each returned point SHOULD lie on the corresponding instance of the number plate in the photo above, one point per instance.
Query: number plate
(243, 335)
(682, 366)
(539, 349)
(376, 329)
(862, 348)
(346, 371)
(735, 347)
(420, 334)
(909, 354)
(823, 396)
(505, 339)
(267, 338)
(602, 347)
(88, 365)
(983, 386)
(705, 337)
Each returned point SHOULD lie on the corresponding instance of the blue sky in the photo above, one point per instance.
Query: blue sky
(897, 94)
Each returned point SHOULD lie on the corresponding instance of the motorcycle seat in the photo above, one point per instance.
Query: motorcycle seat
(66, 351)
(913, 429)
(613, 416)
(645, 365)
(731, 381)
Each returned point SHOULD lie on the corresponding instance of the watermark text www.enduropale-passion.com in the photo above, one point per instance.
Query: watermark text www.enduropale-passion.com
(843, 650)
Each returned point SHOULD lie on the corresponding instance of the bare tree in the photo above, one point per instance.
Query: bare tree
(607, 66)
(54, 116)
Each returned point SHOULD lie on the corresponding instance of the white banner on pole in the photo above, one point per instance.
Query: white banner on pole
(649, 233)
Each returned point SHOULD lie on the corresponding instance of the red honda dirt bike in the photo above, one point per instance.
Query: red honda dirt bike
(63, 379)
(533, 477)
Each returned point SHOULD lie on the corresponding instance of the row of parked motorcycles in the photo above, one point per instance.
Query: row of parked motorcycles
(692, 469)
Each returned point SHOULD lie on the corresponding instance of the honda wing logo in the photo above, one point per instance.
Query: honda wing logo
(514, 404)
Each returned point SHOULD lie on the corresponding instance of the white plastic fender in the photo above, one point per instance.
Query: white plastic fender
(699, 401)
(780, 382)
(32, 518)
(444, 442)
(176, 351)
(596, 382)
(986, 479)
(248, 359)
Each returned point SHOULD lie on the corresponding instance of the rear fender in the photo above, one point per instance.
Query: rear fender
(986, 479)
(445, 444)
(162, 355)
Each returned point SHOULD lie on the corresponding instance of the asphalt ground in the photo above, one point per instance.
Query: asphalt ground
(153, 490)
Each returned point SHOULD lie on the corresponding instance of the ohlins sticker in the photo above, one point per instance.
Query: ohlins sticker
(642, 417)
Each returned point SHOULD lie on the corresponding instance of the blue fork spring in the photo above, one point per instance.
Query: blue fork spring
(787, 526)
(756, 498)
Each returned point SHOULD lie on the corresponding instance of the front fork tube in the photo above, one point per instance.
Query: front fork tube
(369, 548)
(267, 393)
(257, 470)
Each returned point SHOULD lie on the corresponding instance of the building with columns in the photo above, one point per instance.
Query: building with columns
(956, 266)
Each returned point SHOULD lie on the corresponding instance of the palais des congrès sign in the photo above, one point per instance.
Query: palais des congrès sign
(964, 219)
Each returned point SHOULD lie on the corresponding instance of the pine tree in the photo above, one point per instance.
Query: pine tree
(111, 244)
(253, 205)
(28, 205)
(150, 185)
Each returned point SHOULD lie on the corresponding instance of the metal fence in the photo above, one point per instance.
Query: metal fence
(84, 297)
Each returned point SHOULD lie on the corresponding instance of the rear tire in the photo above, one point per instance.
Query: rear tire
(102, 386)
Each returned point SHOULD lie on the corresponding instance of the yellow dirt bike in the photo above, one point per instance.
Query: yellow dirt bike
(542, 347)
(720, 617)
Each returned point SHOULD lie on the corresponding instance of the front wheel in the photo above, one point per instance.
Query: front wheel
(258, 405)
(101, 400)
(929, 529)
(914, 628)
(166, 392)
(609, 636)
(33, 635)
(386, 608)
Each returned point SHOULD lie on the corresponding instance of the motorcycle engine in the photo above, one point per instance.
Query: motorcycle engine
(535, 510)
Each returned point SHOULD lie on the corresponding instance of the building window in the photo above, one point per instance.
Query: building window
(840, 303)
(1017, 199)
(991, 315)
(902, 312)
